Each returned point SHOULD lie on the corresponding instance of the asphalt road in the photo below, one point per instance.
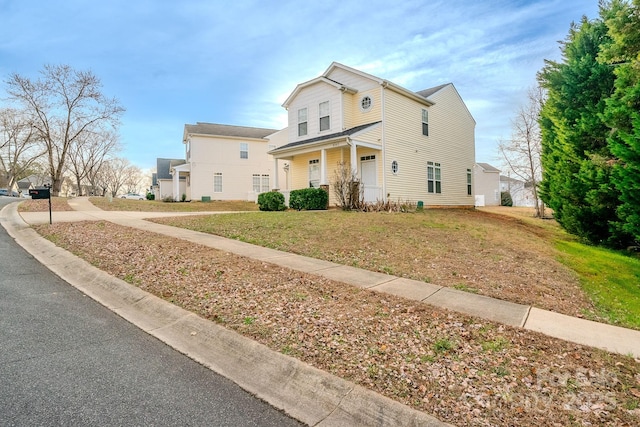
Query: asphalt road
(66, 360)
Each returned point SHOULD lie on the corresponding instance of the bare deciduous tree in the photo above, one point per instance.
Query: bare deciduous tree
(346, 187)
(522, 153)
(87, 155)
(63, 105)
(117, 174)
(19, 146)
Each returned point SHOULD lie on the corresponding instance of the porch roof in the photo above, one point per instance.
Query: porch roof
(345, 133)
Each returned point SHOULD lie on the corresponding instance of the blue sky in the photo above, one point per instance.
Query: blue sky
(176, 62)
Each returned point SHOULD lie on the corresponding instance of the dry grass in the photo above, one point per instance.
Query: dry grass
(495, 255)
(463, 370)
(58, 204)
(117, 204)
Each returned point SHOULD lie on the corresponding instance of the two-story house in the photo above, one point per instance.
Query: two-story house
(400, 144)
(224, 162)
(487, 185)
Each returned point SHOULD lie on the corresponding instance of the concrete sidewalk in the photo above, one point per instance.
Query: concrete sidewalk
(581, 331)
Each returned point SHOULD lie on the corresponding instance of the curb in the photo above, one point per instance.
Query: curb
(307, 394)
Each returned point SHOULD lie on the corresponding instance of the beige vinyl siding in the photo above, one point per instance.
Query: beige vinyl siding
(222, 154)
(352, 80)
(374, 114)
(374, 136)
(300, 170)
(310, 98)
(349, 110)
(450, 143)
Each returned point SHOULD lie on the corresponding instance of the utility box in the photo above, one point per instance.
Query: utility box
(40, 193)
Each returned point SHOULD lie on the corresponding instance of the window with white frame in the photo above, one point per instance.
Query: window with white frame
(244, 150)
(314, 173)
(217, 182)
(425, 122)
(260, 183)
(469, 189)
(325, 116)
(434, 178)
(302, 122)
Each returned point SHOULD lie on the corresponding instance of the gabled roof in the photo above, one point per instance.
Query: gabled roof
(24, 184)
(321, 79)
(345, 133)
(426, 93)
(215, 129)
(488, 168)
(325, 78)
(164, 166)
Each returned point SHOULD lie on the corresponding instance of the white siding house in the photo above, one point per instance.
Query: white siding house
(487, 184)
(402, 145)
(162, 184)
(225, 162)
(521, 192)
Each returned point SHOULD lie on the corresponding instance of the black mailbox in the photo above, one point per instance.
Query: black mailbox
(39, 193)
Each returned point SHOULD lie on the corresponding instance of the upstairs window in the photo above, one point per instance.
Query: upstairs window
(302, 122)
(469, 189)
(434, 178)
(366, 103)
(425, 122)
(325, 117)
(244, 150)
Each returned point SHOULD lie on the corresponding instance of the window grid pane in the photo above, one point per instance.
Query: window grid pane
(425, 122)
(217, 182)
(244, 150)
(256, 183)
(265, 183)
(325, 121)
(302, 122)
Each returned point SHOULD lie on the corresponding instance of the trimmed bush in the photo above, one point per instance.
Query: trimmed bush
(505, 199)
(271, 201)
(151, 196)
(308, 199)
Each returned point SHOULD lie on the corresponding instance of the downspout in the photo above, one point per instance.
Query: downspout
(382, 142)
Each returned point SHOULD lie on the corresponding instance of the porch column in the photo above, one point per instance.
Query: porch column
(276, 186)
(176, 185)
(354, 158)
(323, 167)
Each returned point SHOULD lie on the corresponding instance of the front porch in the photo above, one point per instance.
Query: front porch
(316, 162)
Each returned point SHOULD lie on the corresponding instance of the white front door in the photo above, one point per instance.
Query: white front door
(369, 178)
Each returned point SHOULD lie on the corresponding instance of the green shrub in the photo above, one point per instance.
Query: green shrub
(151, 196)
(505, 199)
(308, 199)
(271, 201)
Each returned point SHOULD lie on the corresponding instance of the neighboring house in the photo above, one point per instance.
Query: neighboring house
(401, 145)
(225, 162)
(24, 185)
(32, 181)
(163, 183)
(521, 192)
(487, 185)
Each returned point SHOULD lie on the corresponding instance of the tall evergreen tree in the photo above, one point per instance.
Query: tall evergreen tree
(576, 159)
(622, 114)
